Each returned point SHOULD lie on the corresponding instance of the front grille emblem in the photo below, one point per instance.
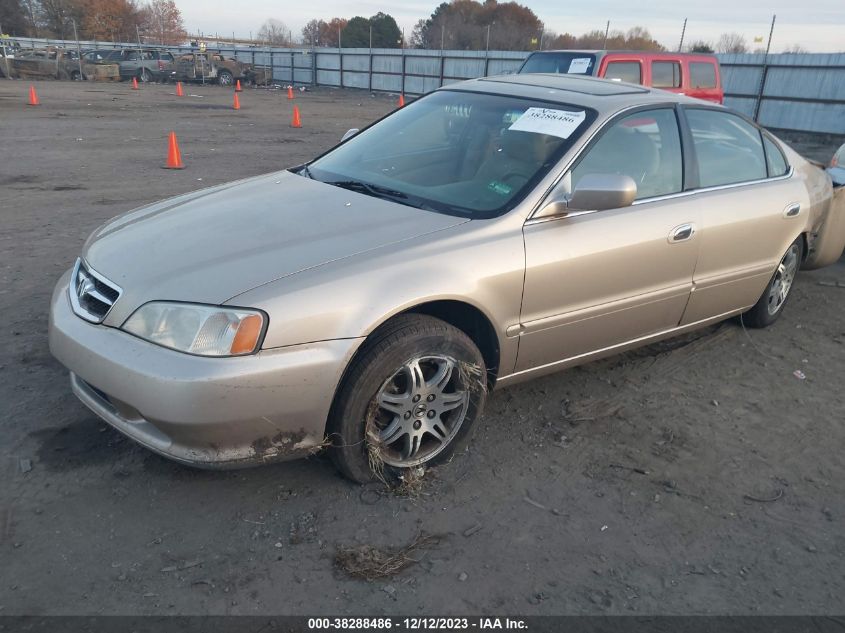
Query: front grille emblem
(84, 285)
(91, 295)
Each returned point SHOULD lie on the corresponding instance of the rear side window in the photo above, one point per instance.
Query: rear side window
(624, 71)
(729, 149)
(775, 160)
(666, 74)
(702, 75)
(645, 146)
(167, 57)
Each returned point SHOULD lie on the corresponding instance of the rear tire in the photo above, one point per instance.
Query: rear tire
(225, 78)
(770, 305)
(409, 399)
(145, 76)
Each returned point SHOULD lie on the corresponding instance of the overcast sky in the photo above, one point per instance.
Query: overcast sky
(817, 25)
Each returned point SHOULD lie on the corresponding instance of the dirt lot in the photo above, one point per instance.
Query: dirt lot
(695, 476)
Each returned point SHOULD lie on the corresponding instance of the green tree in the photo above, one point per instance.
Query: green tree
(356, 34)
(700, 46)
(386, 33)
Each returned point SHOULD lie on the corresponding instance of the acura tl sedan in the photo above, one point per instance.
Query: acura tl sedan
(490, 232)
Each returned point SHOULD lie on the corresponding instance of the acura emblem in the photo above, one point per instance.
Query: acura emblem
(84, 285)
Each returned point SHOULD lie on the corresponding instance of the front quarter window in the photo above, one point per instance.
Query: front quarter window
(463, 153)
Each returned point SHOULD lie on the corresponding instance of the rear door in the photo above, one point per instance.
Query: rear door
(595, 280)
(751, 211)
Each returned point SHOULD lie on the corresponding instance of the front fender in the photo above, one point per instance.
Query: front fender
(480, 263)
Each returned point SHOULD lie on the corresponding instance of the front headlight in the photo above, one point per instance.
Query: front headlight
(198, 329)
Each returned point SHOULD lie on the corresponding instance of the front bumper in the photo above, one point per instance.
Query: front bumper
(208, 412)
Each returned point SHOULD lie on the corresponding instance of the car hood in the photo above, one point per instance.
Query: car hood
(212, 245)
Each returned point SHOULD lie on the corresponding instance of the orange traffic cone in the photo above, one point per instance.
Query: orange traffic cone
(401, 100)
(174, 157)
(290, 92)
(237, 103)
(179, 91)
(296, 122)
(238, 86)
(134, 83)
(33, 98)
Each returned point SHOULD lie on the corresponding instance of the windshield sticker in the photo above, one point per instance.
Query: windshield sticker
(579, 66)
(546, 121)
(499, 187)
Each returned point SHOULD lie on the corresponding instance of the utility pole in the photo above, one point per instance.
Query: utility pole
(442, 37)
(762, 87)
(487, 47)
(78, 51)
(371, 39)
(683, 32)
(771, 31)
(606, 33)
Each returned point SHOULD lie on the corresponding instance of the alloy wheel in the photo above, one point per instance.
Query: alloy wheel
(784, 277)
(419, 410)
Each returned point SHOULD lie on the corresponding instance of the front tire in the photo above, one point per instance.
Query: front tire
(770, 305)
(409, 399)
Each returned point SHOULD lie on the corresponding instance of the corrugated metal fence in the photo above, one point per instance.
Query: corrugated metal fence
(798, 92)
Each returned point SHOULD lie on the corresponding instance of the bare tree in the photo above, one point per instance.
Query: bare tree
(731, 43)
(163, 21)
(274, 32)
(795, 48)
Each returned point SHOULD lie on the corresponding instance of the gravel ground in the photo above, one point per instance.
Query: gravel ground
(698, 476)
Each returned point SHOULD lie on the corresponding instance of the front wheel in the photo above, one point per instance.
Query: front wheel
(770, 305)
(409, 399)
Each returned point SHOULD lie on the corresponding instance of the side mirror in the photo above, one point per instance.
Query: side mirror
(595, 192)
(349, 134)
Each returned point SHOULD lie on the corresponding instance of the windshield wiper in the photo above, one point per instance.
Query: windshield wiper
(306, 172)
(368, 189)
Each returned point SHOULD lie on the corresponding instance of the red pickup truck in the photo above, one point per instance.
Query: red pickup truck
(695, 75)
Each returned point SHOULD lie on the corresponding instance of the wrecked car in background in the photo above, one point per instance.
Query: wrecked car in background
(492, 231)
(61, 63)
(215, 68)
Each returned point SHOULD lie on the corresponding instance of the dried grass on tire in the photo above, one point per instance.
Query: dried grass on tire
(369, 563)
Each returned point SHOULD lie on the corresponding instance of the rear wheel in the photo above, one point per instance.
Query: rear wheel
(225, 78)
(75, 75)
(770, 305)
(145, 76)
(409, 399)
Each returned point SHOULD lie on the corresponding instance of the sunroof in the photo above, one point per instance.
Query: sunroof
(583, 85)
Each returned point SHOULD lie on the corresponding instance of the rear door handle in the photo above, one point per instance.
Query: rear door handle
(682, 233)
(792, 210)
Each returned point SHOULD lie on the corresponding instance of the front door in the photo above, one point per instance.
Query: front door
(595, 280)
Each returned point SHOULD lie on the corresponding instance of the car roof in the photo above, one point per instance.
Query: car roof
(603, 95)
(622, 51)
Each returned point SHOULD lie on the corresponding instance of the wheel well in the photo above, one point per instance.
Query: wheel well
(472, 322)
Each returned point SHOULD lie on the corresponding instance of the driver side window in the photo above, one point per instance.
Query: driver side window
(646, 146)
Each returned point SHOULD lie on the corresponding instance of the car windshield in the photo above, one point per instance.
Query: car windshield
(573, 63)
(462, 153)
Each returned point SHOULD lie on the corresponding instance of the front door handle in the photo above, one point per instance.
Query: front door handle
(792, 210)
(682, 233)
